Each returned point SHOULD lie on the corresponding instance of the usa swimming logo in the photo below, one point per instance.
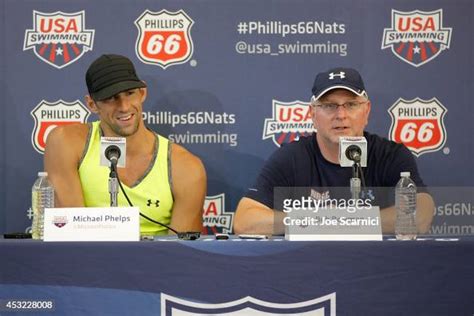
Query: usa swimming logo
(418, 124)
(289, 121)
(321, 306)
(417, 37)
(59, 39)
(215, 218)
(60, 221)
(164, 38)
(49, 115)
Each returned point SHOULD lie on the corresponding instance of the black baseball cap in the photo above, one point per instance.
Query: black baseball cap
(111, 74)
(338, 78)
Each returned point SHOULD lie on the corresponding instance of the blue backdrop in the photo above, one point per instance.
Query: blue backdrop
(230, 80)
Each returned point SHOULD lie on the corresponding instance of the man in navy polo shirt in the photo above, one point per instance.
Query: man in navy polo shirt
(339, 107)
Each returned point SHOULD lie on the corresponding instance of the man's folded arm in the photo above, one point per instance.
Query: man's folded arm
(424, 215)
(253, 217)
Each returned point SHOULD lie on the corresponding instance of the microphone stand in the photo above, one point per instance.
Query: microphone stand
(113, 184)
(355, 181)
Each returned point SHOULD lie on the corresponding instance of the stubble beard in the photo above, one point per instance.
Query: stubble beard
(125, 132)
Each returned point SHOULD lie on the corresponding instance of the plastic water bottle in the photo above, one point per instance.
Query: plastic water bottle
(405, 204)
(42, 196)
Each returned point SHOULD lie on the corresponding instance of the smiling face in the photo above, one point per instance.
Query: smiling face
(121, 114)
(348, 117)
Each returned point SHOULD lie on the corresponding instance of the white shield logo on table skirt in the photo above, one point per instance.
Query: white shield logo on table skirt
(249, 306)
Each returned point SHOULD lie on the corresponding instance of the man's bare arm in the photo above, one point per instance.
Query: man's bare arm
(189, 190)
(253, 217)
(61, 160)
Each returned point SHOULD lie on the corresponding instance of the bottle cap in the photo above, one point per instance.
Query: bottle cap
(42, 174)
(405, 174)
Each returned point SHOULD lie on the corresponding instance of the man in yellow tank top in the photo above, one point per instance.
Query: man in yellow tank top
(164, 180)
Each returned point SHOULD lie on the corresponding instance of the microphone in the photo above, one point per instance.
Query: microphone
(352, 149)
(354, 153)
(112, 153)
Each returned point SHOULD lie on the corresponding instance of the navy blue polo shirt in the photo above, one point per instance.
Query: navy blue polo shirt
(301, 164)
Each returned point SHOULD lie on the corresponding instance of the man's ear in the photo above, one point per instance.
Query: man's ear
(91, 104)
(312, 110)
(367, 112)
(144, 92)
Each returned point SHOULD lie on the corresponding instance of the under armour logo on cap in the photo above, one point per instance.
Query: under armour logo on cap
(338, 78)
(341, 75)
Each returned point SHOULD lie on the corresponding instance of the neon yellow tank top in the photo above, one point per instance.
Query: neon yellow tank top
(151, 193)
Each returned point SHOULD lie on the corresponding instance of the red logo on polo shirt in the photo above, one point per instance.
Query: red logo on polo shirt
(419, 124)
(59, 38)
(289, 121)
(164, 38)
(49, 115)
(417, 37)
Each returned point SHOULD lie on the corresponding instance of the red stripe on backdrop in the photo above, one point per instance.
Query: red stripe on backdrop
(434, 50)
(66, 53)
(42, 49)
(292, 136)
(400, 48)
(410, 52)
(76, 50)
(423, 51)
(281, 138)
(52, 53)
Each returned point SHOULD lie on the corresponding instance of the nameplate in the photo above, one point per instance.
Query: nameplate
(92, 224)
(333, 224)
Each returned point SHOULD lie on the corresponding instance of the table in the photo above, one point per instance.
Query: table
(428, 277)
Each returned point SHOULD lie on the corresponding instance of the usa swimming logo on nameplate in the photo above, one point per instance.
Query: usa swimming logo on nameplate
(417, 37)
(59, 39)
(164, 38)
(418, 124)
(92, 224)
(215, 219)
(289, 121)
(321, 306)
(49, 115)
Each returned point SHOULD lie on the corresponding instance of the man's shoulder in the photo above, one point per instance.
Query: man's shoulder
(72, 134)
(70, 131)
(303, 145)
(385, 149)
(183, 158)
(67, 142)
(378, 143)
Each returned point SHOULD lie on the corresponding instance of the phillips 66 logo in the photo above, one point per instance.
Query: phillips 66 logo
(419, 124)
(289, 121)
(164, 38)
(417, 37)
(49, 115)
